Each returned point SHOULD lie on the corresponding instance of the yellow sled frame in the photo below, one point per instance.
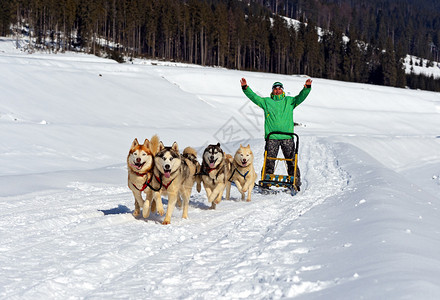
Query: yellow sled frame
(280, 180)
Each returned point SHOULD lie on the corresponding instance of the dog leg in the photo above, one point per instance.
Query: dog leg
(213, 195)
(153, 206)
(240, 188)
(198, 183)
(251, 187)
(218, 199)
(208, 194)
(158, 203)
(138, 202)
(150, 197)
(146, 209)
(172, 199)
(186, 195)
(137, 209)
(247, 187)
(228, 190)
(213, 205)
(179, 200)
(217, 194)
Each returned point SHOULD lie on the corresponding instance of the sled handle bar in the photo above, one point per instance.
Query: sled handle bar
(293, 135)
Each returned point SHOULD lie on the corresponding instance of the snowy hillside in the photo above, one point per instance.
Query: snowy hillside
(418, 66)
(366, 224)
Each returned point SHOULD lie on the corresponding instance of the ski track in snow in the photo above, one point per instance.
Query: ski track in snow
(89, 241)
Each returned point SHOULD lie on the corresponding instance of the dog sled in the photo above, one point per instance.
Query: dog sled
(285, 182)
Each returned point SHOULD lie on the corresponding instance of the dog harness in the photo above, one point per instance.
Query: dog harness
(161, 183)
(242, 175)
(144, 186)
(204, 167)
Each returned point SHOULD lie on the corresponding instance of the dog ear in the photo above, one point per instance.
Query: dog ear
(135, 143)
(175, 147)
(218, 144)
(161, 146)
(146, 143)
(248, 146)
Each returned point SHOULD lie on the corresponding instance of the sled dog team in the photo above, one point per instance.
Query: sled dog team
(159, 171)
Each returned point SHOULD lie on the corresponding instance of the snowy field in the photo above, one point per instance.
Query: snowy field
(366, 224)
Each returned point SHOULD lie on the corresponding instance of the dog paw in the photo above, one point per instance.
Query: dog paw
(166, 222)
(161, 212)
(248, 200)
(136, 213)
(145, 213)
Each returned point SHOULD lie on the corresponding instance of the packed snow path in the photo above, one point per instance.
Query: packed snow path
(84, 239)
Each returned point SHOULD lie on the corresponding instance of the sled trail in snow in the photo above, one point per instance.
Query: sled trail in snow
(240, 249)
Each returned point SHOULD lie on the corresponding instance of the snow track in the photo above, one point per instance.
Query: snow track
(88, 241)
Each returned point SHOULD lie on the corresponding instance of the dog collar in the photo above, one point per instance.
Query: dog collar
(140, 174)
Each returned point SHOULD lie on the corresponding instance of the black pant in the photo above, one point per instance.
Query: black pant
(288, 149)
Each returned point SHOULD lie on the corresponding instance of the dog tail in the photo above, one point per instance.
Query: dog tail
(191, 151)
(154, 144)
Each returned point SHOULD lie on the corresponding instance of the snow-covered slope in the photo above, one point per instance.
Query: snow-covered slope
(364, 226)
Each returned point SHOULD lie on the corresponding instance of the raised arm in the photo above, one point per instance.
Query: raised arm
(251, 95)
(297, 100)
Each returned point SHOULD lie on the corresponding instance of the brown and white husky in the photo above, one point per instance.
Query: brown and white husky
(140, 162)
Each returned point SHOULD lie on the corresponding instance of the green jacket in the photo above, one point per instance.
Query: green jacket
(278, 111)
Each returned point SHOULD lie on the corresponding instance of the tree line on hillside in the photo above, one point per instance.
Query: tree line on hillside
(413, 25)
(244, 35)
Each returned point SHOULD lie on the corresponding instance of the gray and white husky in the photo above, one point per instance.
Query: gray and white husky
(174, 175)
(213, 173)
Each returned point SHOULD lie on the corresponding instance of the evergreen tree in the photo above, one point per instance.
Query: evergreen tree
(311, 62)
(389, 64)
(6, 13)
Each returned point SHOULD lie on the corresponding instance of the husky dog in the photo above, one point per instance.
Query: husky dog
(140, 161)
(241, 172)
(190, 167)
(213, 173)
(174, 175)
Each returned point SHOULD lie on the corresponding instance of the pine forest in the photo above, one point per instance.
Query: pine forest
(358, 41)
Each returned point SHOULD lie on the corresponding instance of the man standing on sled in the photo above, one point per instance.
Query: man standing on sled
(278, 116)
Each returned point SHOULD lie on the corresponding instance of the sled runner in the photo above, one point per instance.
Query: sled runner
(269, 181)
